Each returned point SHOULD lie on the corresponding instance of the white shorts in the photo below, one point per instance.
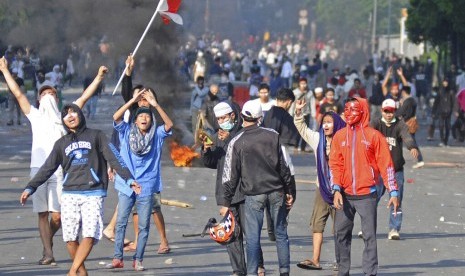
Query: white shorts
(81, 213)
(47, 197)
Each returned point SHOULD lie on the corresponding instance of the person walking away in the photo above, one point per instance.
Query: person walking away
(262, 176)
(213, 156)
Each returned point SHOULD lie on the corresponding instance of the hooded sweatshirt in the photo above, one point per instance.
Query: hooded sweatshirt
(83, 155)
(359, 155)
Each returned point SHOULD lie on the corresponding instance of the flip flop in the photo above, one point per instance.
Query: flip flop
(126, 241)
(130, 247)
(164, 250)
(309, 265)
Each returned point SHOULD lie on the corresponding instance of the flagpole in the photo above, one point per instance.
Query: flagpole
(138, 44)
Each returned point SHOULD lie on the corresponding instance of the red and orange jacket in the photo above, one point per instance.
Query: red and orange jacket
(359, 155)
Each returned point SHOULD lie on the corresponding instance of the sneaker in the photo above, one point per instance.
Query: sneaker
(115, 263)
(360, 234)
(10, 123)
(429, 139)
(418, 165)
(441, 145)
(335, 267)
(137, 265)
(393, 235)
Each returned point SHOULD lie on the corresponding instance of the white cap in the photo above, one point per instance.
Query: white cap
(252, 109)
(389, 104)
(222, 109)
(318, 90)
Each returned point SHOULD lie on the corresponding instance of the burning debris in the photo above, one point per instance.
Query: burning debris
(182, 156)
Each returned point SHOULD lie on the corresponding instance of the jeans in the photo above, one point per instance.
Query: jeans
(395, 222)
(91, 107)
(344, 224)
(144, 210)
(254, 210)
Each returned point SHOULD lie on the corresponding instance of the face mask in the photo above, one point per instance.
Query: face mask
(353, 112)
(228, 125)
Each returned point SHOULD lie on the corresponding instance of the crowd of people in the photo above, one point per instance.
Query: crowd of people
(356, 125)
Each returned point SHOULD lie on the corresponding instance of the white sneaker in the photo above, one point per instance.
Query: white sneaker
(418, 165)
(441, 145)
(393, 235)
(360, 234)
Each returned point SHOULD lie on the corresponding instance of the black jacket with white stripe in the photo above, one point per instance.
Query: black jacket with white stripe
(255, 163)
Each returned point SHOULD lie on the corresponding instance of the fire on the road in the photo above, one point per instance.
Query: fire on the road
(182, 156)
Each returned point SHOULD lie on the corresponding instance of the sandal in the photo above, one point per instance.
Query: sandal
(164, 250)
(130, 247)
(309, 265)
(47, 261)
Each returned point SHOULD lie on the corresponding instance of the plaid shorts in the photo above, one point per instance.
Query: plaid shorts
(81, 213)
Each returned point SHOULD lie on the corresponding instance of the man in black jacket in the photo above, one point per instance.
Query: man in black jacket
(213, 155)
(396, 132)
(255, 163)
(83, 154)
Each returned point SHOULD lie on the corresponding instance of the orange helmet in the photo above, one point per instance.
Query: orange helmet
(226, 231)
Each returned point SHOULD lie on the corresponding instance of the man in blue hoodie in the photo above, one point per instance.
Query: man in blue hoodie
(83, 154)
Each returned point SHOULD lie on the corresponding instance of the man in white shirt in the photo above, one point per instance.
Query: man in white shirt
(264, 99)
(46, 125)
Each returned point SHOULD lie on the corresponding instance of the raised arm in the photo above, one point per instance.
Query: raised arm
(90, 90)
(385, 81)
(126, 88)
(14, 87)
(118, 116)
(153, 102)
(402, 77)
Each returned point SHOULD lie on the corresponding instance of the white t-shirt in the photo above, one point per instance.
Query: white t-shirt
(266, 106)
(44, 136)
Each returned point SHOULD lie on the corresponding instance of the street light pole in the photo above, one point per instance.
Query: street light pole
(389, 30)
(373, 29)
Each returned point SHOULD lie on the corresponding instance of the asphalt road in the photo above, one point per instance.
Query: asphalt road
(432, 237)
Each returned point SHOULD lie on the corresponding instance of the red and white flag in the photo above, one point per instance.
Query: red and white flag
(168, 11)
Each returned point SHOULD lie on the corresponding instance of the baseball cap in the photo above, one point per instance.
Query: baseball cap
(252, 109)
(389, 105)
(46, 85)
(222, 109)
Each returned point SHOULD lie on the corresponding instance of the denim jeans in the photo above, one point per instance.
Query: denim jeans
(254, 210)
(144, 210)
(395, 222)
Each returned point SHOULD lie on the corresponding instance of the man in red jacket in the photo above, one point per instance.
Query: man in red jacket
(359, 155)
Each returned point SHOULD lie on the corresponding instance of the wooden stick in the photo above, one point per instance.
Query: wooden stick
(305, 181)
(175, 203)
